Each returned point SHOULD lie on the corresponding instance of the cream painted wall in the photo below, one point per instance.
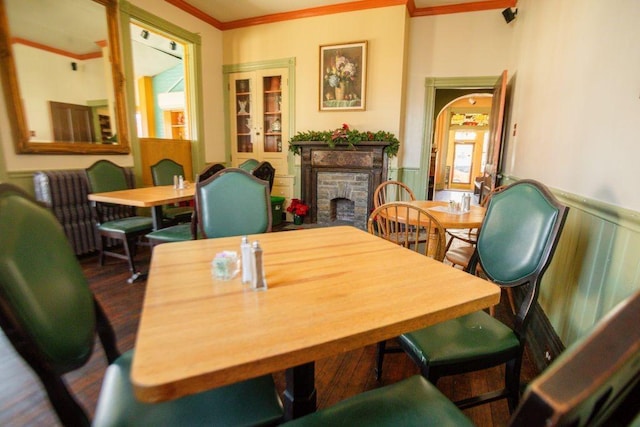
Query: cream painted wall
(48, 76)
(576, 98)
(382, 28)
(455, 45)
(212, 95)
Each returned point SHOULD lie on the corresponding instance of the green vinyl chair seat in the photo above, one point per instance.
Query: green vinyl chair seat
(461, 341)
(175, 233)
(410, 402)
(132, 224)
(177, 214)
(51, 318)
(248, 403)
(249, 165)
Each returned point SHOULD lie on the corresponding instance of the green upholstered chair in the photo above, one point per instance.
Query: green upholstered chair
(232, 203)
(185, 231)
(249, 165)
(51, 317)
(105, 176)
(162, 173)
(515, 245)
(585, 386)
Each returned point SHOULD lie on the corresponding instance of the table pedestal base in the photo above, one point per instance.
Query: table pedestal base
(300, 393)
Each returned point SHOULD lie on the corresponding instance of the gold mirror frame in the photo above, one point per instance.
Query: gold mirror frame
(15, 108)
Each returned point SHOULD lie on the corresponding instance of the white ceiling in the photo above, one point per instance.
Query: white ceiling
(232, 10)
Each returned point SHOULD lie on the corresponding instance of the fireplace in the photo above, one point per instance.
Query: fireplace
(338, 183)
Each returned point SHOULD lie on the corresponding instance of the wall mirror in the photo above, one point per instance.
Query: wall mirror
(62, 76)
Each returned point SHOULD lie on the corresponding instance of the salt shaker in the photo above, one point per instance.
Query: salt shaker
(180, 182)
(175, 182)
(258, 280)
(245, 251)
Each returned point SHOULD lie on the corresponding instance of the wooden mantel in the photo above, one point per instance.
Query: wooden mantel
(366, 157)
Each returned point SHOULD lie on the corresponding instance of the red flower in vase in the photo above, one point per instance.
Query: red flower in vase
(298, 207)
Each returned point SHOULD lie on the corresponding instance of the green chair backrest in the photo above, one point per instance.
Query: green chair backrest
(104, 176)
(520, 232)
(44, 294)
(163, 172)
(249, 165)
(593, 382)
(231, 203)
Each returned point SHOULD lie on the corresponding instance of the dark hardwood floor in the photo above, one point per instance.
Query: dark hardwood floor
(24, 403)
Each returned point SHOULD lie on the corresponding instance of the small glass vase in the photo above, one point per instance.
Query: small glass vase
(297, 219)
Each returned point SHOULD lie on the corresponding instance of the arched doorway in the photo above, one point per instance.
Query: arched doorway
(460, 143)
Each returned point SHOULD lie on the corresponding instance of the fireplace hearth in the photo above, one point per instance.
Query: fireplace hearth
(338, 183)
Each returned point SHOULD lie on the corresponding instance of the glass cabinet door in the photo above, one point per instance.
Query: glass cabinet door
(259, 117)
(243, 117)
(272, 116)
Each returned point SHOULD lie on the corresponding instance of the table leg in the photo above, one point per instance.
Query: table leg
(156, 214)
(300, 393)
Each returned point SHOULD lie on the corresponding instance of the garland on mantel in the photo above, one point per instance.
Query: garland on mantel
(347, 136)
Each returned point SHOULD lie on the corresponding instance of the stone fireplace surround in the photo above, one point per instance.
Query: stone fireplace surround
(338, 183)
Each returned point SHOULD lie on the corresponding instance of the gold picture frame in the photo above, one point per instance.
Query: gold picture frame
(343, 76)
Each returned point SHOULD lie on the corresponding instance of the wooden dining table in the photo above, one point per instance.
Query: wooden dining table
(329, 290)
(450, 220)
(147, 197)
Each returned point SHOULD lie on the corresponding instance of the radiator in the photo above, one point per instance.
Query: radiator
(65, 193)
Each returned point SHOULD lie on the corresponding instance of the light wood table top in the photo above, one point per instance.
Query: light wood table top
(145, 197)
(471, 219)
(330, 290)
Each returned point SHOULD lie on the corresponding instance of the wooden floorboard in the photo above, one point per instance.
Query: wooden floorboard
(24, 403)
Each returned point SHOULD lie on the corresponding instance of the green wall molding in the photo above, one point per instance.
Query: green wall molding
(616, 215)
(194, 96)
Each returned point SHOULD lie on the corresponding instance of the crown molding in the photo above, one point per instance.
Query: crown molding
(342, 8)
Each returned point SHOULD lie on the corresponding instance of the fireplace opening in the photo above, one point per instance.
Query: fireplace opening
(342, 210)
(342, 198)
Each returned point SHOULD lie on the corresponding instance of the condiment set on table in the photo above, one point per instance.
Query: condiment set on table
(226, 265)
(464, 205)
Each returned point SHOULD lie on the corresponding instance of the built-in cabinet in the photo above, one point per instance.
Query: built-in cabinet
(259, 122)
(259, 117)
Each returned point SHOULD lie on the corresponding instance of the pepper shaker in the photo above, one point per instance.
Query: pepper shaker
(258, 280)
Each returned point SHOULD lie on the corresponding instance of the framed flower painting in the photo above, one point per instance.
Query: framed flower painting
(343, 72)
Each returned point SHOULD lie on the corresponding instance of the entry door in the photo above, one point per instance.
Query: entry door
(492, 168)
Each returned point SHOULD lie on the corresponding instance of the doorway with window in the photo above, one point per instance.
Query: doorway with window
(460, 144)
(162, 82)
